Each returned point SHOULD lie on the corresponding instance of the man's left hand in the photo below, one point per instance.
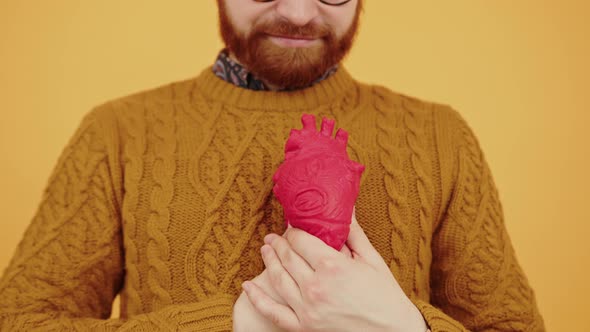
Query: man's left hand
(328, 291)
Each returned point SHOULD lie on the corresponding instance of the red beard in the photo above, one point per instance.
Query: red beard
(286, 67)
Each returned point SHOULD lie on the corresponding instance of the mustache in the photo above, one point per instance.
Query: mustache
(285, 28)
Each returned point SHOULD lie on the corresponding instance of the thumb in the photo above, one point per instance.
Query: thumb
(359, 244)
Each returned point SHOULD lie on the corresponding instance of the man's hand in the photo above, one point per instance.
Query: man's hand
(247, 318)
(327, 291)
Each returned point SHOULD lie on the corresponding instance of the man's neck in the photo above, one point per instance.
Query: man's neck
(231, 70)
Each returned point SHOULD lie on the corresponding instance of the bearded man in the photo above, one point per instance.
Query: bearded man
(165, 197)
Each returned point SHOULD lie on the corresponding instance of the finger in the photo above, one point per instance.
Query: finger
(313, 250)
(280, 278)
(268, 238)
(297, 267)
(308, 121)
(280, 315)
(359, 244)
(345, 251)
(327, 127)
(342, 136)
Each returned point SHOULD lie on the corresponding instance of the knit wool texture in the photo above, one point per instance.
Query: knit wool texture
(165, 196)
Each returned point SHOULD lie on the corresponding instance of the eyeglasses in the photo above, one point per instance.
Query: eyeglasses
(325, 2)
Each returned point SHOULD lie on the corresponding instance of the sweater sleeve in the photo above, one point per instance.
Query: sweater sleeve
(69, 265)
(477, 282)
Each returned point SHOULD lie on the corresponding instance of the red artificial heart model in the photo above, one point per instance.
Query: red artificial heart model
(318, 183)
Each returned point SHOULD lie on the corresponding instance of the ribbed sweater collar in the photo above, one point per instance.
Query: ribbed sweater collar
(328, 91)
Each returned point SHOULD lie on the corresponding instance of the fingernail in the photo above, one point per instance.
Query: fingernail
(246, 285)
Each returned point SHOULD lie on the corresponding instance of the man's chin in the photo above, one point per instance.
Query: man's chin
(291, 76)
(282, 66)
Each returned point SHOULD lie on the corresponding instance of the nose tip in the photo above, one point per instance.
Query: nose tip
(298, 12)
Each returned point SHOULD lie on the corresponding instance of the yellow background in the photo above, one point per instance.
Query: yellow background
(517, 70)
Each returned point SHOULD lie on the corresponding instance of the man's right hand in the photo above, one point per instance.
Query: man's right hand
(245, 316)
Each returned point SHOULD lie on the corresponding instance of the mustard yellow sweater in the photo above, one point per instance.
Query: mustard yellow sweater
(165, 196)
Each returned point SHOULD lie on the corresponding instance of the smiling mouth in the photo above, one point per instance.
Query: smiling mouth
(294, 37)
(293, 41)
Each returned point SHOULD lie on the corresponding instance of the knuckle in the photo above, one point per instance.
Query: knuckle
(289, 235)
(309, 318)
(287, 256)
(279, 278)
(289, 259)
(275, 273)
(281, 281)
(256, 301)
(315, 292)
(289, 266)
(279, 244)
(292, 236)
(328, 264)
(275, 318)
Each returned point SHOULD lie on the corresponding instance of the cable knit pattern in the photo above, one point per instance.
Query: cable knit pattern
(389, 139)
(421, 164)
(133, 169)
(165, 196)
(164, 167)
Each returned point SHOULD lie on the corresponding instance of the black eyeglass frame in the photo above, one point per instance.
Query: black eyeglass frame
(322, 1)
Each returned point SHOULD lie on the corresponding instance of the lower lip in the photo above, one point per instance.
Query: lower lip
(289, 42)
